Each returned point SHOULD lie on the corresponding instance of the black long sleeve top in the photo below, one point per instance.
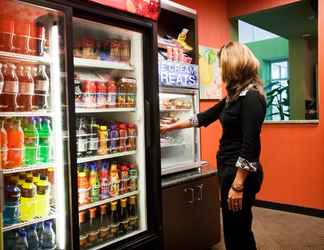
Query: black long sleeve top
(241, 121)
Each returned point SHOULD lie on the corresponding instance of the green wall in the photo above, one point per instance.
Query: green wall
(269, 50)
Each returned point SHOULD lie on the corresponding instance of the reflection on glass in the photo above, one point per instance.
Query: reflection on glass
(288, 58)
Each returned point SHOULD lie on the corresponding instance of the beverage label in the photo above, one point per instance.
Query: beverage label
(93, 143)
(131, 98)
(11, 87)
(28, 193)
(121, 99)
(101, 99)
(26, 88)
(111, 99)
(42, 190)
(30, 141)
(1, 86)
(81, 144)
(42, 85)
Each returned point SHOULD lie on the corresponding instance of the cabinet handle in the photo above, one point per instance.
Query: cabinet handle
(200, 194)
(192, 194)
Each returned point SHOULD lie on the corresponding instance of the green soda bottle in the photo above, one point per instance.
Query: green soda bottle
(31, 139)
(45, 144)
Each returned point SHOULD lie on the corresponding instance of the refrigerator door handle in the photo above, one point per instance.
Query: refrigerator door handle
(192, 194)
(148, 123)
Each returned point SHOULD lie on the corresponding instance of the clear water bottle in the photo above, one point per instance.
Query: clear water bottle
(32, 238)
(39, 229)
(22, 243)
(47, 240)
(10, 240)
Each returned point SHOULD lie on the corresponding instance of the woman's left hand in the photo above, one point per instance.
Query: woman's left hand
(235, 200)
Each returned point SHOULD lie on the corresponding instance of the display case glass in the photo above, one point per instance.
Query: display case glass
(109, 101)
(179, 148)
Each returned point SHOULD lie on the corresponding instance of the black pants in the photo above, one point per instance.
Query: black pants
(237, 226)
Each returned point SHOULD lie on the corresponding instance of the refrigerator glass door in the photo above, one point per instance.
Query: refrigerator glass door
(34, 144)
(179, 148)
(109, 100)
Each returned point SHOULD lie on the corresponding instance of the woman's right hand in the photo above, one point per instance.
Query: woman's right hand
(164, 129)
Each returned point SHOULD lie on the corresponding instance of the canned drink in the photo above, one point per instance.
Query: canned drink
(175, 54)
(169, 53)
(181, 56)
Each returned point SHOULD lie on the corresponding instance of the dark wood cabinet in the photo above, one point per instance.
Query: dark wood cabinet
(191, 214)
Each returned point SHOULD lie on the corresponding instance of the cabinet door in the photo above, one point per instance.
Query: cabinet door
(207, 212)
(178, 211)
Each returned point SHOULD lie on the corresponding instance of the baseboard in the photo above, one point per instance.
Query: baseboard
(290, 208)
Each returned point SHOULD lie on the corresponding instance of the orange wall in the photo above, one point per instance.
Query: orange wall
(292, 154)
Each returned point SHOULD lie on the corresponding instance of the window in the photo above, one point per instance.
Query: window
(277, 91)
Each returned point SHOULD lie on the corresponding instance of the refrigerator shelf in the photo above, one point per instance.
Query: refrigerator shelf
(103, 157)
(169, 145)
(101, 246)
(28, 168)
(175, 110)
(106, 110)
(27, 114)
(28, 223)
(98, 64)
(27, 58)
(98, 203)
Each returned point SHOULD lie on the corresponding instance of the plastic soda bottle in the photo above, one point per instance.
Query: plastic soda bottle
(26, 89)
(22, 243)
(10, 89)
(11, 211)
(45, 141)
(15, 137)
(28, 199)
(104, 180)
(10, 240)
(43, 197)
(36, 177)
(103, 136)
(94, 183)
(93, 226)
(32, 237)
(21, 180)
(114, 180)
(31, 142)
(93, 138)
(47, 239)
(83, 186)
(41, 88)
(39, 229)
(3, 145)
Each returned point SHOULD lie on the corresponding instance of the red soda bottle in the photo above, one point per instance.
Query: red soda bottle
(41, 88)
(10, 90)
(26, 89)
(6, 35)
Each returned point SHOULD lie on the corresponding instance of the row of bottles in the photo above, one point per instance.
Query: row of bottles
(96, 138)
(101, 180)
(27, 196)
(108, 221)
(25, 141)
(22, 37)
(23, 89)
(40, 236)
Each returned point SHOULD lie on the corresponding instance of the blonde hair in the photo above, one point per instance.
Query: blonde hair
(239, 70)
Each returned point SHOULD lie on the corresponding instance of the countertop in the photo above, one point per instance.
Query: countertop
(180, 178)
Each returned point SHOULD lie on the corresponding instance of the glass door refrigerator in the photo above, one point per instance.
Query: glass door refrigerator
(35, 160)
(117, 130)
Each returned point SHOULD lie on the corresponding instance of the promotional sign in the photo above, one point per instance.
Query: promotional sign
(174, 74)
(146, 8)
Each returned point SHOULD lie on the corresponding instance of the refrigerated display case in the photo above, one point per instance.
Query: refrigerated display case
(179, 86)
(35, 161)
(102, 115)
(112, 158)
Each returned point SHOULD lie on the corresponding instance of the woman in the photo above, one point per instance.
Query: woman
(241, 115)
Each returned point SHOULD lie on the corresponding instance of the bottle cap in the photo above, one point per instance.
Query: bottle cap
(132, 200)
(124, 168)
(43, 177)
(81, 216)
(22, 233)
(22, 176)
(103, 209)
(113, 205)
(48, 223)
(93, 212)
(103, 128)
(123, 202)
(122, 126)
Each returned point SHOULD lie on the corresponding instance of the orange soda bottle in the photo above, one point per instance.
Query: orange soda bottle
(15, 135)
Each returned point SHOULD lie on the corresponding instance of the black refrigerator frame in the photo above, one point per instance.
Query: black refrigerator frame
(152, 238)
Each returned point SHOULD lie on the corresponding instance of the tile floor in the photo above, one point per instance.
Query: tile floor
(277, 230)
